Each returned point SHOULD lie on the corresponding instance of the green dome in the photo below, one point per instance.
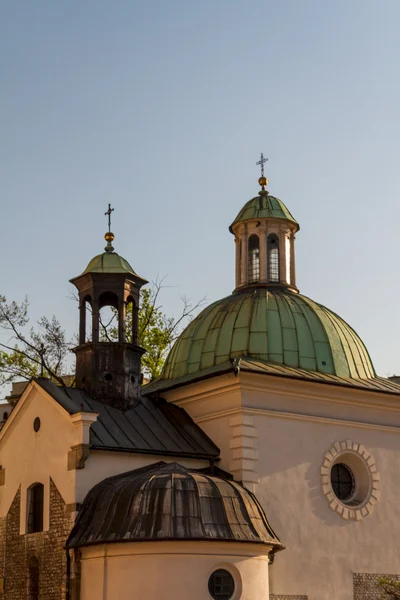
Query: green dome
(275, 326)
(263, 206)
(109, 262)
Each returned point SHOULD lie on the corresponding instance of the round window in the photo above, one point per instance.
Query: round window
(36, 424)
(221, 585)
(342, 480)
(350, 480)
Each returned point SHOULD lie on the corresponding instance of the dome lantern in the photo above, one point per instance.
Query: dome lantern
(264, 233)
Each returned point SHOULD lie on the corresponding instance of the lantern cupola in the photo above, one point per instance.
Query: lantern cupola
(264, 233)
(109, 368)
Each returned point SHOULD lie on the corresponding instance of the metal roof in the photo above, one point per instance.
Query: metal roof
(249, 364)
(270, 325)
(150, 427)
(109, 262)
(169, 502)
(264, 206)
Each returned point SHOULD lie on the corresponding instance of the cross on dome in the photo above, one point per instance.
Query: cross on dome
(263, 181)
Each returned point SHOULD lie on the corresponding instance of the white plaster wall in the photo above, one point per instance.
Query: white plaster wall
(30, 457)
(171, 570)
(297, 422)
(322, 549)
(101, 464)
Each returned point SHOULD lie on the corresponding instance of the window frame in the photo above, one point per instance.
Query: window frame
(273, 260)
(253, 259)
(35, 508)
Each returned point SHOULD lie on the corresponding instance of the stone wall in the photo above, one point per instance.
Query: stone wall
(365, 585)
(46, 546)
(274, 597)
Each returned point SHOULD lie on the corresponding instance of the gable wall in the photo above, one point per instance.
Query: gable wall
(28, 456)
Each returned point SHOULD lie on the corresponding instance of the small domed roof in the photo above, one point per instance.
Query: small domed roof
(166, 501)
(109, 262)
(262, 206)
(271, 325)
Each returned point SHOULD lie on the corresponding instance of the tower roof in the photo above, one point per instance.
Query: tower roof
(263, 206)
(109, 262)
(274, 326)
(166, 501)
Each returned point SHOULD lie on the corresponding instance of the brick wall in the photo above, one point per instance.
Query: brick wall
(46, 546)
(365, 586)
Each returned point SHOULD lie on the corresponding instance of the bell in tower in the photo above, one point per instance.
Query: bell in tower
(109, 370)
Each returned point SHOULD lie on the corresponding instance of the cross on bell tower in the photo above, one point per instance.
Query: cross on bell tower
(110, 371)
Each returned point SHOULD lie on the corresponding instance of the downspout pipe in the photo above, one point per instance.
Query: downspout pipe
(68, 583)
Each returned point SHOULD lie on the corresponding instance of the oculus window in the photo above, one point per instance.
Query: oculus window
(221, 585)
(342, 480)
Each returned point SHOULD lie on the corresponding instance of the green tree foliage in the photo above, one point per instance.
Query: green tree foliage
(26, 353)
(390, 588)
(29, 352)
(156, 331)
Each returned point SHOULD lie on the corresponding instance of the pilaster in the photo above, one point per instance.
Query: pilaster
(244, 446)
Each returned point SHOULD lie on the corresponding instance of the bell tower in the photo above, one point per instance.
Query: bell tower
(109, 370)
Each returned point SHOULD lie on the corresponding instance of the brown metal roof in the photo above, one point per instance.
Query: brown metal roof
(166, 501)
(150, 427)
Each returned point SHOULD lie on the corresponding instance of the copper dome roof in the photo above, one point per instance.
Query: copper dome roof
(166, 501)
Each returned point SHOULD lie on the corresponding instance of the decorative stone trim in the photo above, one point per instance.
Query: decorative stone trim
(77, 456)
(348, 452)
(244, 446)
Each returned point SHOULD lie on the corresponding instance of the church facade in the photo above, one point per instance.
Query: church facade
(262, 464)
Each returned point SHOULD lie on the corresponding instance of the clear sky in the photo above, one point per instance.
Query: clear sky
(162, 108)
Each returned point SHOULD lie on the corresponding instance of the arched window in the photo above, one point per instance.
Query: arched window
(35, 508)
(254, 259)
(33, 579)
(273, 258)
(108, 317)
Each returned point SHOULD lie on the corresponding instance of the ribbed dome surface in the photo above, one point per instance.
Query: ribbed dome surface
(166, 501)
(109, 262)
(274, 326)
(264, 206)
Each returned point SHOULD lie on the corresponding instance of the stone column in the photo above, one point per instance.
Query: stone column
(135, 321)
(237, 263)
(263, 252)
(245, 254)
(95, 321)
(82, 322)
(282, 255)
(292, 260)
(121, 320)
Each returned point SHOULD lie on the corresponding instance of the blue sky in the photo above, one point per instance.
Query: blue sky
(162, 108)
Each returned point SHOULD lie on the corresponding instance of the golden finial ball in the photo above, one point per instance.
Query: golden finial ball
(263, 181)
(109, 236)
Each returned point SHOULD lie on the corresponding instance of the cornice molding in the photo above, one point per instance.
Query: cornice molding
(298, 417)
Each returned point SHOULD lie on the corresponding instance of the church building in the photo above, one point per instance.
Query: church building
(261, 465)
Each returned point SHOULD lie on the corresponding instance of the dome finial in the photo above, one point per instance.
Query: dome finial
(109, 235)
(263, 181)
